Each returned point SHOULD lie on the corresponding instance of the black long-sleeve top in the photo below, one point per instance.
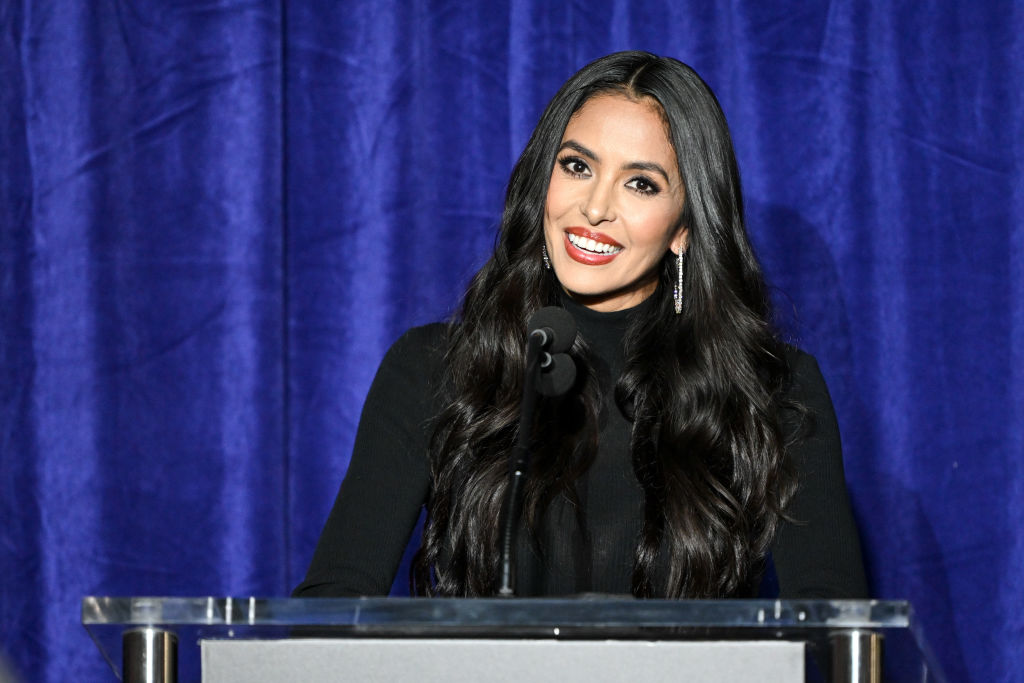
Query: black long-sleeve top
(388, 480)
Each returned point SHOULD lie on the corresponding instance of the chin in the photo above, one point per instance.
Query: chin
(584, 289)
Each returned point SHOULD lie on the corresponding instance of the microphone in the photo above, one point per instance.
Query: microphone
(550, 371)
(558, 376)
(556, 328)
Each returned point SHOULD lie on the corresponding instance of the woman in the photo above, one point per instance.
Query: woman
(694, 445)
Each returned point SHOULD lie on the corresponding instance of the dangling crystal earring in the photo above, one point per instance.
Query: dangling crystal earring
(544, 253)
(677, 291)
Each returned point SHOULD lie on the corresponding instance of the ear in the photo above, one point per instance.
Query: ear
(680, 241)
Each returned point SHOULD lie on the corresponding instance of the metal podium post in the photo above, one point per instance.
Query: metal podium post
(856, 657)
(150, 655)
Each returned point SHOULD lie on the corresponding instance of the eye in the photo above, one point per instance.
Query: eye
(644, 186)
(574, 166)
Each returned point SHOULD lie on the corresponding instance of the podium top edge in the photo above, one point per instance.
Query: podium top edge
(584, 611)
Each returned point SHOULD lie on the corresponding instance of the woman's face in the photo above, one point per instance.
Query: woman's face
(614, 203)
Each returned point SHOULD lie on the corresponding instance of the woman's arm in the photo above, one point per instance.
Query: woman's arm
(388, 478)
(817, 555)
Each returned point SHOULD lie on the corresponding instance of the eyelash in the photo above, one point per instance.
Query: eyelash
(568, 162)
(652, 187)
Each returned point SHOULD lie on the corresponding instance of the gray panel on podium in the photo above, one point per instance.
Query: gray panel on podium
(499, 661)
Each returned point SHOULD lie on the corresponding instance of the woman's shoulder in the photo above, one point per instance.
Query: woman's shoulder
(805, 381)
(409, 378)
(417, 355)
(798, 359)
(808, 416)
(422, 340)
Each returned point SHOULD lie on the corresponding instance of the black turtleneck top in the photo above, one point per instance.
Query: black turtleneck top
(388, 479)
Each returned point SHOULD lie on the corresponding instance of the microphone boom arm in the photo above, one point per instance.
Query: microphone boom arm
(518, 464)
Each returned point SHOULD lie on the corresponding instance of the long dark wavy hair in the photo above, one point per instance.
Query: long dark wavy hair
(702, 389)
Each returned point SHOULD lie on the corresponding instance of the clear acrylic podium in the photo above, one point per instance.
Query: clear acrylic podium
(592, 638)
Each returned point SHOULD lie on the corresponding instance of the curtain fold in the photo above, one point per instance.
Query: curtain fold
(143, 413)
(216, 216)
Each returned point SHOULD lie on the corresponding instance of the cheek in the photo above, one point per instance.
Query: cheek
(557, 199)
(655, 229)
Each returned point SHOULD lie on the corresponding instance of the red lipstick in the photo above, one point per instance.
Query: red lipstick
(585, 257)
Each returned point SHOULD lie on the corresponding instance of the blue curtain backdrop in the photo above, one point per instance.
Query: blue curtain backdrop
(216, 216)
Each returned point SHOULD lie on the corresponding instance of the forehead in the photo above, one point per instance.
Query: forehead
(632, 129)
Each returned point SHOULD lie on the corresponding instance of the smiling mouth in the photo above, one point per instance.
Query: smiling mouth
(586, 242)
(589, 247)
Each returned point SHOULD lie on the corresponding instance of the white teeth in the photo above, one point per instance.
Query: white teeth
(593, 246)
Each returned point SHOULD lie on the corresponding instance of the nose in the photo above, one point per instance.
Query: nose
(598, 204)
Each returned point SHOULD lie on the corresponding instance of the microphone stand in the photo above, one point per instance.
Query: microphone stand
(518, 464)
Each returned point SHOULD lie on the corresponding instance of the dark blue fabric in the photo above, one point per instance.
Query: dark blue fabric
(216, 216)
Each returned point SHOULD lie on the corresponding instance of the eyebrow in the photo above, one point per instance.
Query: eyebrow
(635, 165)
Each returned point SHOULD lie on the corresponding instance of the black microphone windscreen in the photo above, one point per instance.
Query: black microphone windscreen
(561, 324)
(558, 377)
